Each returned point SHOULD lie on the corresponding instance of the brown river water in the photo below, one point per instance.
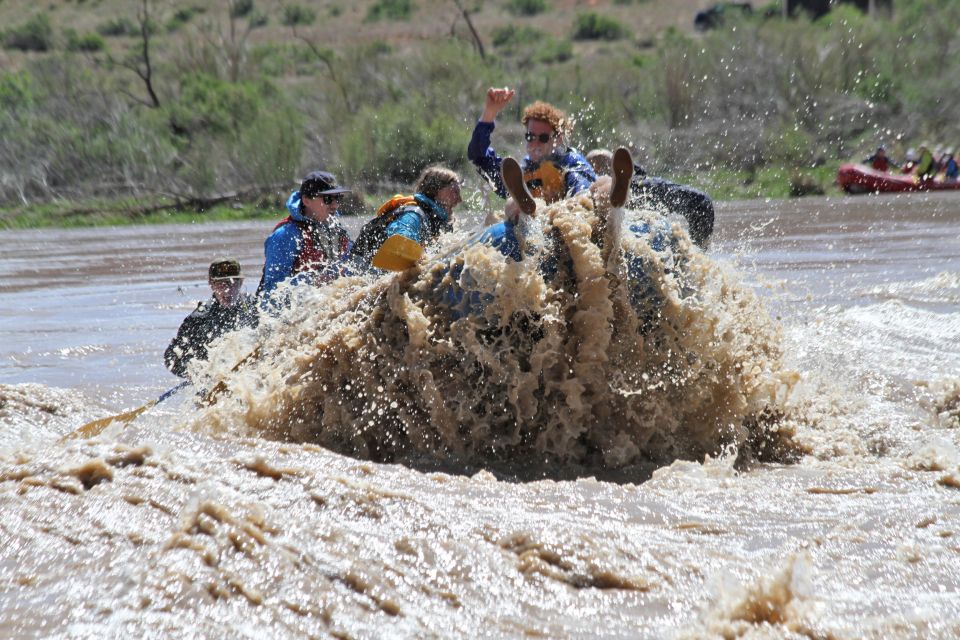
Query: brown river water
(778, 457)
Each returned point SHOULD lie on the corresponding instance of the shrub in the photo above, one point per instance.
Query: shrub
(209, 105)
(258, 20)
(527, 45)
(118, 27)
(511, 35)
(88, 42)
(36, 34)
(296, 15)
(16, 90)
(552, 50)
(241, 8)
(526, 7)
(283, 59)
(182, 16)
(593, 26)
(389, 10)
(385, 148)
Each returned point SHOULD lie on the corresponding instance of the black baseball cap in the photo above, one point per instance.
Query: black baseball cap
(224, 269)
(320, 183)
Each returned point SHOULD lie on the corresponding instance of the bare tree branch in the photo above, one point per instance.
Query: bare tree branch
(326, 57)
(146, 74)
(476, 36)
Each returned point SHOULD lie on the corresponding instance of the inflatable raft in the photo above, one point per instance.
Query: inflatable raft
(859, 178)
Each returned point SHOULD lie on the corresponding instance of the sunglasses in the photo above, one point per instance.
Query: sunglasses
(543, 138)
(331, 199)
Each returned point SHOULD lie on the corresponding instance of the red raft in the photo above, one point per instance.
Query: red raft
(859, 178)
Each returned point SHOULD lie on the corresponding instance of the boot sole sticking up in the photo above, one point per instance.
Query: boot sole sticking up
(512, 176)
(622, 173)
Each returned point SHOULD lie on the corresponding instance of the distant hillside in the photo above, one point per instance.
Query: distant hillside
(241, 97)
(345, 23)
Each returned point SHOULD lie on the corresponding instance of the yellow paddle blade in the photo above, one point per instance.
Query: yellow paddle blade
(397, 253)
(96, 427)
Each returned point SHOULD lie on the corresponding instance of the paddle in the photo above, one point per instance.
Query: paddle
(397, 253)
(96, 427)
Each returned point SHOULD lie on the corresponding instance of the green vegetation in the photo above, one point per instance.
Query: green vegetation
(241, 8)
(182, 16)
(36, 34)
(390, 10)
(120, 26)
(524, 44)
(296, 15)
(594, 26)
(87, 42)
(762, 107)
(526, 7)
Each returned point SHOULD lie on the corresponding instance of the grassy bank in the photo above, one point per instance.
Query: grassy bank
(109, 106)
(767, 182)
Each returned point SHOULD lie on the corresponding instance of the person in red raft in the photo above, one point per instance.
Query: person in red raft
(880, 161)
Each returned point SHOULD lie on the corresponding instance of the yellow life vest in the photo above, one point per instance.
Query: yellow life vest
(545, 180)
(397, 201)
(396, 253)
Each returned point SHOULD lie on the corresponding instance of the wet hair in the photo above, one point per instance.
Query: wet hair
(433, 179)
(549, 114)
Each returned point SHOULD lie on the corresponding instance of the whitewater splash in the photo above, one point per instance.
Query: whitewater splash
(587, 362)
(179, 525)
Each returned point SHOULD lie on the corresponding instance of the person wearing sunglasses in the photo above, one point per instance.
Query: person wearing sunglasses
(552, 170)
(310, 243)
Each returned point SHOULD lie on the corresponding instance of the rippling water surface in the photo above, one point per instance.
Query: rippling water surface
(234, 521)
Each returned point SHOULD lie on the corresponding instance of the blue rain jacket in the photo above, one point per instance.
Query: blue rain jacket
(283, 246)
(578, 174)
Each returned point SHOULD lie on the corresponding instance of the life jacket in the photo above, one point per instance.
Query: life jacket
(374, 233)
(880, 163)
(311, 256)
(545, 180)
(926, 166)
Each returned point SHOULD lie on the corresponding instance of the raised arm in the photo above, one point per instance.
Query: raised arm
(479, 151)
(495, 102)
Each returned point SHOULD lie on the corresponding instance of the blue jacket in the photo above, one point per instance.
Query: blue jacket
(421, 223)
(577, 173)
(283, 247)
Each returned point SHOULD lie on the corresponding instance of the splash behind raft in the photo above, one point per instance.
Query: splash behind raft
(597, 339)
(859, 178)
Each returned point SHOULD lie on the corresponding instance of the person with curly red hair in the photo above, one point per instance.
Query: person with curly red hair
(551, 169)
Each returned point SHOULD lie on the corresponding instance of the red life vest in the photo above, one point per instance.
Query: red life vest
(311, 257)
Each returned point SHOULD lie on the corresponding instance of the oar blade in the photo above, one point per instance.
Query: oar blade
(398, 253)
(97, 427)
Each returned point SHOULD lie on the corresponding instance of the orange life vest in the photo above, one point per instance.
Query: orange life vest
(545, 181)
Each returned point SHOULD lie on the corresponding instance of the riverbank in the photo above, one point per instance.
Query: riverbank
(85, 114)
(720, 184)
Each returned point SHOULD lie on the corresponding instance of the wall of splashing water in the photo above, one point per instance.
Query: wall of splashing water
(559, 368)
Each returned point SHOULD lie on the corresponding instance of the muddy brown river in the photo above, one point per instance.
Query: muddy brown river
(382, 472)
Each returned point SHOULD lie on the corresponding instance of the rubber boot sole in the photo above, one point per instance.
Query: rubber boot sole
(622, 173)
(512, 176)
